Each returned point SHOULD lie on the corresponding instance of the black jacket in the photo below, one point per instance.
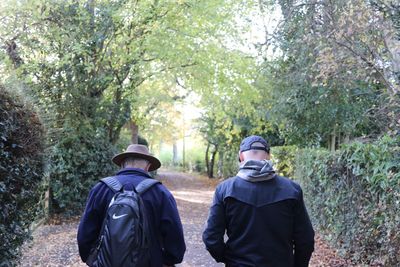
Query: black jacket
(165, 225)
(266, 223)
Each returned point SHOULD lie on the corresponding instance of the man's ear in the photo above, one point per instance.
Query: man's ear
(148, 166)
(268, 156)
(241, 158)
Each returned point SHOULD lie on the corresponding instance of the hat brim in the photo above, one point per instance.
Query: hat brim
(154, 162)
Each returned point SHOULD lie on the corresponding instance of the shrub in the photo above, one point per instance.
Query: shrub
(194, 160)
(76, 162)
(21, 170)
(230, 164)
(284, 159)
(353, 196)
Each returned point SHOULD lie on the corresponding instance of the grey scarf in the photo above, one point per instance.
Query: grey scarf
(256, 171)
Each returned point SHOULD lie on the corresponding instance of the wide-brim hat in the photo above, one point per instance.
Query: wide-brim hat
(138, 151)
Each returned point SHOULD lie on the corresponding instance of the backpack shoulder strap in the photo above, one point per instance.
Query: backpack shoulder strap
(112, 183)
(145, 185)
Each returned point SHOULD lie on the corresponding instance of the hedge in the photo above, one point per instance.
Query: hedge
(353, 196)
(79, 158)
(21, 172)
(284, 160)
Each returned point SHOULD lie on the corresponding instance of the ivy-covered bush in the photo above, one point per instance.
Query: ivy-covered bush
(284, 159)
(354, 198)
(21, 172)
(77, 161)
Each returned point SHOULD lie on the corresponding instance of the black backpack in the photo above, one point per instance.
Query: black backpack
(124, 237)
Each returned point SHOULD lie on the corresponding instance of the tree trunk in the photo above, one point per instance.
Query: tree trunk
(220, 172)
(212, 161)
(393, 47)
(183, 152)
(206, 159)
(333, 142)
(12, 52)
(134, 131)
(90, 8)
(174, 153)
(346, 138)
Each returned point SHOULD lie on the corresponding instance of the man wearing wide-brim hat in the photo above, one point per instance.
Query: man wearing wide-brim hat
(167, 242)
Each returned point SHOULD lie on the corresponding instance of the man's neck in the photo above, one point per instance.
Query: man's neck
(134, 167)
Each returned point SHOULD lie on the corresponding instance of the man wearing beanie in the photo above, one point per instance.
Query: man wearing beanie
(262, 214)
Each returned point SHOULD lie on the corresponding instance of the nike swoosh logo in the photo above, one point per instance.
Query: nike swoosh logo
(119, 216)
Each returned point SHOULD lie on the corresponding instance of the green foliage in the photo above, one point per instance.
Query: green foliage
(21, 173)
(194, 158)
(230, 163)
(125, 139)
(226, 123)
(78, 160)
(98, 64)
(84, 62)
(327, 82)
(353, 196)
(284, 160)
(308, 115)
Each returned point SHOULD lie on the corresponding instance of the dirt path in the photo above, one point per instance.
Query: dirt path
(193, 195)
(55, 245)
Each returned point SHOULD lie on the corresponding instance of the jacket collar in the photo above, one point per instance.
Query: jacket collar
(133, 171)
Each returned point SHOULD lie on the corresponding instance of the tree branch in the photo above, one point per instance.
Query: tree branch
(368, 62)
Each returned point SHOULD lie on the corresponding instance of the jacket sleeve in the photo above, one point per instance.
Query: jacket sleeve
(91, 221)
(213, 235)
(303, 235)
(171, 232)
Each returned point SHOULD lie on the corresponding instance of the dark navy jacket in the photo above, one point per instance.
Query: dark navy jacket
(168, 246)
(266, 223)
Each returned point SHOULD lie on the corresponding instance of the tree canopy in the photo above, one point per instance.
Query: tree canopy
(96, 67)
